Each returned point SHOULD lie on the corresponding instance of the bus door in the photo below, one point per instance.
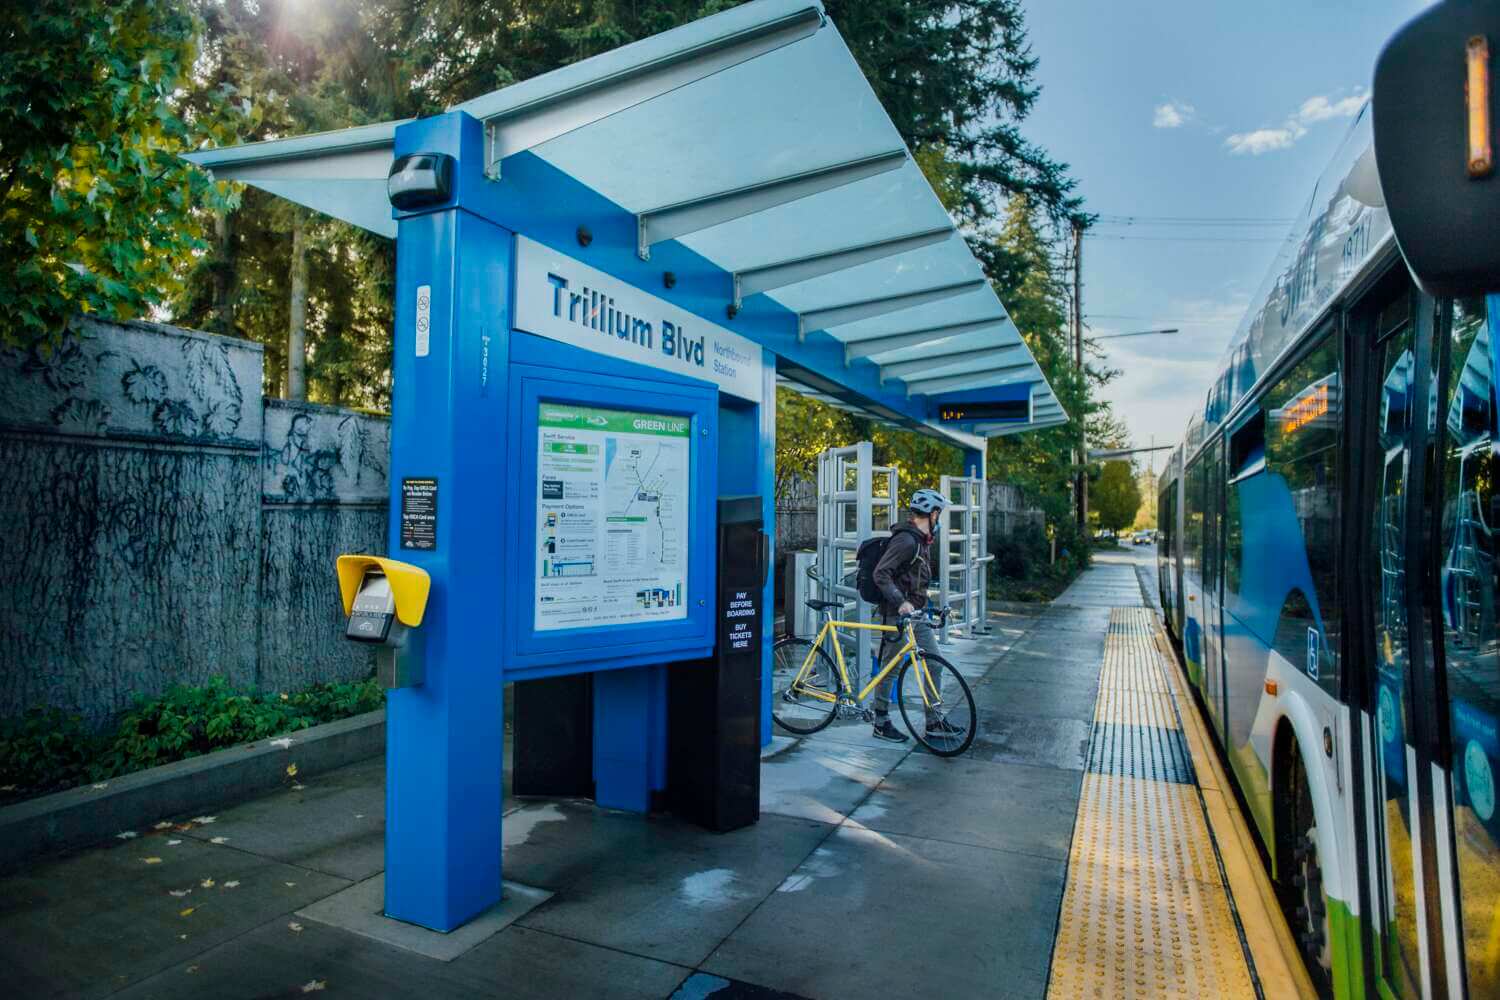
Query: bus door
(1467, 594)
(1396, 398)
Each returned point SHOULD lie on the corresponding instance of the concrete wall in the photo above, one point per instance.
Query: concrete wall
(161, 523)
(1009, 513)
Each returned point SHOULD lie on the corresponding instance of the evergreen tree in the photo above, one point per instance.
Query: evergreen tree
(956, 77)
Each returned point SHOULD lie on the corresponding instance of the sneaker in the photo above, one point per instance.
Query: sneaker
(942, 727)
(885, 731)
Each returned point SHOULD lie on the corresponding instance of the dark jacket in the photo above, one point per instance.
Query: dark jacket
(904, 569)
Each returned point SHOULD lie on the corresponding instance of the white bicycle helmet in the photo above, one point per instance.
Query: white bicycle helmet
(928, 501)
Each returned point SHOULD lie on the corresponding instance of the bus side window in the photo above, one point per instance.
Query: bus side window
(1302, 417)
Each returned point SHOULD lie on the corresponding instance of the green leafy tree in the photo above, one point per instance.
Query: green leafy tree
(1116, 496)
(920, 462)
(96, 208)
(1146, 516)
(805, 428)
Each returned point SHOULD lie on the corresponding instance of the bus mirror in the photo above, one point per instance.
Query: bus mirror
(1433, 107)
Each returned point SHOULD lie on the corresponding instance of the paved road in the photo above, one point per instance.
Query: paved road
(875, 870)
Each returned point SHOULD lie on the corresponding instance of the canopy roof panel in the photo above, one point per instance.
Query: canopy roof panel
(752, 139)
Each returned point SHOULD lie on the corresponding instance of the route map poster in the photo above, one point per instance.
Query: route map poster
(612, 507)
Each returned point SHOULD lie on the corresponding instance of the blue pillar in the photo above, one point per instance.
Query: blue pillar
(448, 408)
(974, 462)
(630, 737)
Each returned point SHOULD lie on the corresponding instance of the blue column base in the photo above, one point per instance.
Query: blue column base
(630, 737)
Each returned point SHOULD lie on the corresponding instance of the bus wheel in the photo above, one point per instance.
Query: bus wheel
(1302, 890)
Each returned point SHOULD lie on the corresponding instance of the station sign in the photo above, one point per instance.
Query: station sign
(1004, 409)
(564, 299)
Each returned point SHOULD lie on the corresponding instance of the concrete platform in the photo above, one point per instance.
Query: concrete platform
(876, 869)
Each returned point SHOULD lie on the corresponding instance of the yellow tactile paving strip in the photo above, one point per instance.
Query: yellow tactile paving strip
(1146, 912)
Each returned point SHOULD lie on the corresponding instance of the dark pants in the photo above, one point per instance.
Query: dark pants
(889, 643)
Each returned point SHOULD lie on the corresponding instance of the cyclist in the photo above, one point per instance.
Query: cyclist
(902, 575)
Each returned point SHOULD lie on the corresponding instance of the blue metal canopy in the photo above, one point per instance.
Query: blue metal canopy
(752, 139)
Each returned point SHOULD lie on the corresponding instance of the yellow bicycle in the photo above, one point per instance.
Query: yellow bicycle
(811, 688)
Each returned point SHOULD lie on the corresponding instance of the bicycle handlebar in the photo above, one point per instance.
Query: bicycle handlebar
(941, 615)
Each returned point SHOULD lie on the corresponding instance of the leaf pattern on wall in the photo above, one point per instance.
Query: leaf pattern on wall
(144, 384)
(175, 416)
(64, 369)
(88, 415)
(208, 373)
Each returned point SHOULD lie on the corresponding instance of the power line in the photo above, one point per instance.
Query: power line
(1191, 220)
(1185, 239)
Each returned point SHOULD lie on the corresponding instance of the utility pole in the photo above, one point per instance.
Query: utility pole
(1081, 482)
(296, 337)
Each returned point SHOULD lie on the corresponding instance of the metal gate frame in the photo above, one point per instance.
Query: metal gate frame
(963, 574)
(847, 480)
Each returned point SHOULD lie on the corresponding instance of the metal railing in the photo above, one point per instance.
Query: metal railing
(856, 499)
(964, 557)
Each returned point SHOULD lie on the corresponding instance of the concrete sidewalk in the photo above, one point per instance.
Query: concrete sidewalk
(875, 870)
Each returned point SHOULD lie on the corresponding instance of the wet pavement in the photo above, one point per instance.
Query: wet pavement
(875, 869)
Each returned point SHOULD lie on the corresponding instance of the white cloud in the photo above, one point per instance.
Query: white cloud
(1262, 140)
(1173, 114)
(1320, 108)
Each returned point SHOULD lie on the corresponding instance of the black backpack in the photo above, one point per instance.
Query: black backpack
(869, 554)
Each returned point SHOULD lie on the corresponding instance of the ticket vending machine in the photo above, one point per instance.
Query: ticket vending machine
(713, 708)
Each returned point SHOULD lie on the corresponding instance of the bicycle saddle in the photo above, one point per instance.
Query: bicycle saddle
(818, 605)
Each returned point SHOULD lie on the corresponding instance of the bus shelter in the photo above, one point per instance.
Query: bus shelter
(603, 274)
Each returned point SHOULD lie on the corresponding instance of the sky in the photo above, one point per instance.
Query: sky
(1192, 110)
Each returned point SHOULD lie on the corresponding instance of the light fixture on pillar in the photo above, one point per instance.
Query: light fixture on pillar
(420, 179)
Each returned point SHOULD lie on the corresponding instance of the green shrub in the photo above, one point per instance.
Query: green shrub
(47, 749)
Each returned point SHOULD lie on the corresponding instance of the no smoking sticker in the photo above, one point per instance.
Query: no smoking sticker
(424, 320)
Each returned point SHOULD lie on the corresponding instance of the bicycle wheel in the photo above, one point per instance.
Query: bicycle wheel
(937, 706)
(802, 701)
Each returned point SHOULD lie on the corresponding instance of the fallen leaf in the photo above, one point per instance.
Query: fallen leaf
(294, 926)
(127, 835)
(217, 840)
(102, 784)
(285, 743)
(298, 788)
(204, 820)
(165, 824)
(192, 969)
(179, 893)
(231, 885)
(152, 861)
(173, 843)
(359, 815)
(187, 912)
(182, 937)
(207, 883)
(314, 985)
(290, 884)
(11, 788)
(291, 770)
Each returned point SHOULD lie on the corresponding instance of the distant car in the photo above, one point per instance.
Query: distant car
(1142, 538)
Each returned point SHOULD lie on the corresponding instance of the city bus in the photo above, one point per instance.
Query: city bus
(1328, 572)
